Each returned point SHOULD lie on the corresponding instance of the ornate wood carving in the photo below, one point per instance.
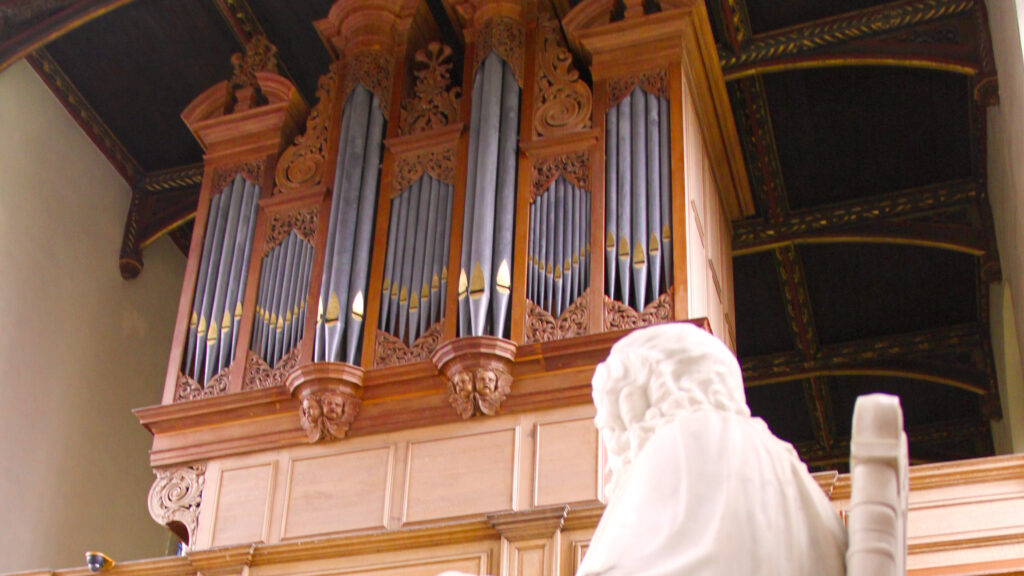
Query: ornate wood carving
(574, 167)
(329, 395)
(302, 164)
(302, 221)
(251, 170)
(653, 81)
(260, 56)
(503, 36)
(259, 374)
(563, 100)
(175, 497)
(478, 373)
(541, 326)
(372, 69)
(391, 351)
(618, 316)
(434, 105)
(438, 162)
(189, 389)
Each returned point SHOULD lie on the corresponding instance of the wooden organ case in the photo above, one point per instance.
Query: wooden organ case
(395, 301)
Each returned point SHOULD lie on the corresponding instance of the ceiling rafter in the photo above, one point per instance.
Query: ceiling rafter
(883, 218)
(161, 202)
(920, 355)
(39, 29)
(853, 38)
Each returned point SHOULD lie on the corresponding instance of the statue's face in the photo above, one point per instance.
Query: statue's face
(463, 384)
(487, 382)
(310, 409)
(334, 407)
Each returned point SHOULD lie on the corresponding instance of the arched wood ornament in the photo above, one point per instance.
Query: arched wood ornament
(573, 166)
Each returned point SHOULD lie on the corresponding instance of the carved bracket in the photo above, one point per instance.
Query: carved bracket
(478, 373)
(260, 375)
(573, 166)
(618, 316)
(175, 497)
(330, 395)
(189, 389)
(653, 81)
(541, 326)
(302, 164)
(391, 351)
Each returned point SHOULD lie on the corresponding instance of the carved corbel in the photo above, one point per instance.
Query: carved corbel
(175, 498)
(330, 395)
(477, 372)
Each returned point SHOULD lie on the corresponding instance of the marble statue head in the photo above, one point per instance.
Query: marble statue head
(654, 376)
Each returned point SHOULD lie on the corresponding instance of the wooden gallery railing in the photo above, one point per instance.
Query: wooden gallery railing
(427, 251)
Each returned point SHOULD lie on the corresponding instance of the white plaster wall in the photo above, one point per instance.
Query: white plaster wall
(1006, 189)
(79, 346)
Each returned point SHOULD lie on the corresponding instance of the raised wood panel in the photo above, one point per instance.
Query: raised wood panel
(338, 492)
(567, 462)
(243, 504)
(528, 561)
(476, 564)
(460, 476)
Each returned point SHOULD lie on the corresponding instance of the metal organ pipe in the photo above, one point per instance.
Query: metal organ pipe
(350, 231)
(558, 232)
(638, 199)
(485, 274)
(284, 284)
(223, 266)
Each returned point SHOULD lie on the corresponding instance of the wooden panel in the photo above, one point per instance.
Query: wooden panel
(567, 462)
(338, 492)
(476, 564)
(242, 505)
(528, 561)
(461, 476)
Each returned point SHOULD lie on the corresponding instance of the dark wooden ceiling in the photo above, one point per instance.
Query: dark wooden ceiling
(866, 267)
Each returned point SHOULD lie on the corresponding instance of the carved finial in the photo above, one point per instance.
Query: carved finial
(260, 56)
(434, 105)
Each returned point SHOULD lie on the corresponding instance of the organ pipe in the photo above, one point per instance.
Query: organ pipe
(220, 284)
(280, 311)
(350, 230)
(559, 248)
(485, 274)
(638, 213)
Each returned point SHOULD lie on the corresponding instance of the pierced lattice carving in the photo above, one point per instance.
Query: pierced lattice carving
(251, 170)
(302, 164)
(372, 69)
(391, 351)
(541, 326)
(618, 316)
(189, 389)
(564, 101)
(439, 163)
(652, 81)
(434, 105)
(260, 375)
(503, 36)
(574, 167)
(175, 498)
(303, 222)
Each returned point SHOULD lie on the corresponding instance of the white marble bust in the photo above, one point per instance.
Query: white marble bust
(696, 486)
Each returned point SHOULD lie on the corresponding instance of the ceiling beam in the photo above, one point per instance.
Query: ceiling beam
(161, 202)
(870, 36)
(38, 30)
(884, 218)
(928, 355)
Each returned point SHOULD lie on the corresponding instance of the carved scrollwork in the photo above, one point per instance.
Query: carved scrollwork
(439, 163)
(189, 389)
(260, 375)
(251, 170)
(302, 164)
(574, 167)
(434, 106)
(391, 351)
(618, 316)
(503, 36)
(484, 388)
(541, 326)
(372, 69)
(328, 415)
(564, 101)
(175, 497)
(653, 81)
(304, 222)
(260, 56)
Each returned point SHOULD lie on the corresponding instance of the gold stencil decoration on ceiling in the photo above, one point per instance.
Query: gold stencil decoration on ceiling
(564, 101)
(434, 104)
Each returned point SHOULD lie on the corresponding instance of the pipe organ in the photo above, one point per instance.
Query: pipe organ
(425, 267)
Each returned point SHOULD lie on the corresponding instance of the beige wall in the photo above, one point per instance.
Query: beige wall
(1006, 189)
(79, 346)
